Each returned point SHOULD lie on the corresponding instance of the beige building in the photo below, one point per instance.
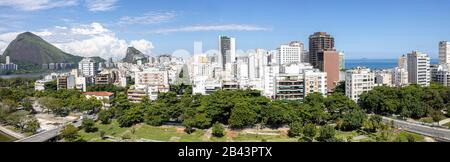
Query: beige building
(358, 81)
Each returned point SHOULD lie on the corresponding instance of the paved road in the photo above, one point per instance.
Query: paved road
(47, 135)
(439, 133)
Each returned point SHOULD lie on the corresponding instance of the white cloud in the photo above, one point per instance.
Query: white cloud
(228, 27)
(33, 5)
(142, 45)
(101, 5)
(85, 40)
(149, 18)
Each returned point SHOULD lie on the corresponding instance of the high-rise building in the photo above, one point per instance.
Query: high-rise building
(444, 52)
(88, 67)
(8, 60)
(319, 41)
(227, 49)
(291, 53)
(419, 68)
(358, 81)
(8, 65)
(402, 62)
(328, 61)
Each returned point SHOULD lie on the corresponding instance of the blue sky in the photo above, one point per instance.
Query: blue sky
(362, 29)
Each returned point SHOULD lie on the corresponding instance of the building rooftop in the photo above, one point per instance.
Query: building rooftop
(99, 93)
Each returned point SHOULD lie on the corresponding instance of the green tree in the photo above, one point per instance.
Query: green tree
(105, 116)
(189, 125)
(32, 125)
(340, 88)
(242, 115)
(70, 134)
(295, 129)
(89, 125)
(436, 115)
(373, 124)
(309, 131)
(218, 130)
(353, 120)
(51, 86)
(327, 134)
(130, 117)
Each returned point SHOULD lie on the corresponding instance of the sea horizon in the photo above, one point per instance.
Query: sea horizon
(376, 63)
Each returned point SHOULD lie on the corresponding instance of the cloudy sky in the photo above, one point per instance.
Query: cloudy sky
(363, 29)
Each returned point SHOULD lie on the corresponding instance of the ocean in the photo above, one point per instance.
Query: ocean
(376, 63)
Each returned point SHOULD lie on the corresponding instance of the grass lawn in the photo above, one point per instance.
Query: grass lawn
(403, 137)
(144, 132)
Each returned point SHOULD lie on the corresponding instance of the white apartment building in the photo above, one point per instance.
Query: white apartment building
(358, 81)
(383, 78)
(269, 80)
(152, 81)
(297, 80)
(88, 67)
(419, 68)
(291, 53)
(399, 77)
(441, 74)
(444, 52)
(402, 62)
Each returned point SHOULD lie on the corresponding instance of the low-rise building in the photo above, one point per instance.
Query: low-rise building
(383, 78)
(104, 97)
(66, 82)
(399, 77)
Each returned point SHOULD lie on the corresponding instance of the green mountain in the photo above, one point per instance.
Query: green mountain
(30, 51)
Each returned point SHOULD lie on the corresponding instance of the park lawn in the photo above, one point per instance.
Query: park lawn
(402, 136)
(111, 129)
(167, 134)
(343, 135)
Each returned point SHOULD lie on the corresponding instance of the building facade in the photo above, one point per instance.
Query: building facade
(444, 52)
(291, 53)
(319, 41)
(419, 71)
(358, 81)
(88, 67)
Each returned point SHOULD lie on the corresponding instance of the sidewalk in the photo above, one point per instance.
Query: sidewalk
(445, 121)
(11, 133)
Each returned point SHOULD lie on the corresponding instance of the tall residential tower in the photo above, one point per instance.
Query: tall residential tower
(319, 42)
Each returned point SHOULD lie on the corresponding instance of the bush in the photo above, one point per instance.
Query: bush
(309, 132)
(88, 125)
(70, 133)
(105, 116)
(218, 130)
(295, 129)
(327, 134)
(410, 138)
